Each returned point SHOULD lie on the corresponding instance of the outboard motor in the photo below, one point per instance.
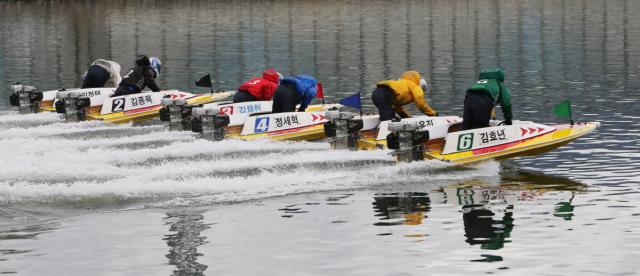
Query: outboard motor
(407, 141)
(209, 123)
(343, 128)
(176, 114)
(196, 121)
(73, 105)
(25, 98)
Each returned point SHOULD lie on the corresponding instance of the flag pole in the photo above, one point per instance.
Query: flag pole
(211, 82)
(570, 113)
(360, 99)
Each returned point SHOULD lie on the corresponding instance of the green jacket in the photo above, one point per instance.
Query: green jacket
(491, 83)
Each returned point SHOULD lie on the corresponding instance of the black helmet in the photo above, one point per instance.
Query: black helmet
(142, 60)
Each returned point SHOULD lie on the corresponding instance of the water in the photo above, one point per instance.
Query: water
(94, 198)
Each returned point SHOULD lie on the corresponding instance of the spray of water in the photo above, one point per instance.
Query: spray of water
(95, 161)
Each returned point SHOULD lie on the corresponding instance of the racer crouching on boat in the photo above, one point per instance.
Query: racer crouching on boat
(258, 89)
(292, 91)
(483, 96)
(102, 73)
(143, 75)
(390, 95)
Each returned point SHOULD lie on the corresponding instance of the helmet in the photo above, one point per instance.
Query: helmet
(423, 85)
(142, 60)
(272, 75)
(156, 64)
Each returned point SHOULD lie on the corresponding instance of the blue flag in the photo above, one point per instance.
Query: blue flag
(352, 101)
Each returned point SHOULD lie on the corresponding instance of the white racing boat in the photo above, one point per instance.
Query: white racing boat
(351, 131)
(98, 103)
(247, 120)
(440, 138)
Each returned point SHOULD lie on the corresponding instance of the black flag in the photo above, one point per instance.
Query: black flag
(205, 81)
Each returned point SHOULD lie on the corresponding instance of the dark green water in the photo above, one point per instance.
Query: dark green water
(94, 199)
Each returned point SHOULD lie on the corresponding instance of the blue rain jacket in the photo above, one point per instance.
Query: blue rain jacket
(305, 87)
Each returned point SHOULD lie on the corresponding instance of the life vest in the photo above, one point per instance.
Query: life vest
(260, 88)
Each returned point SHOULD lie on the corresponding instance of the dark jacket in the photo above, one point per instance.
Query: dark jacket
(140, 77)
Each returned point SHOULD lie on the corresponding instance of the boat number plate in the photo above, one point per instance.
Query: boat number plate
(117, 105)
(465, 141)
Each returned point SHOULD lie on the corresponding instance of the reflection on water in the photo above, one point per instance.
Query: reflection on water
(483, 226)
(564, 209)
(524, 180)
(184, 242)
(488, 208)
(487, 212)
(408, 208)
(539, 183)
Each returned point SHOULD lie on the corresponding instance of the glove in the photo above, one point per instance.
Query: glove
(508, 122)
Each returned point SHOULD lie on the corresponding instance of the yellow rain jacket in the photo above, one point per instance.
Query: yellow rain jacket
(406, 90)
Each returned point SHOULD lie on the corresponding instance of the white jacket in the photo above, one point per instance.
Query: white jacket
(114, 71)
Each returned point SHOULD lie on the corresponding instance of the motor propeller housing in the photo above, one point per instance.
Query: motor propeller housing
(407, 140)
(176, 114)
(72, 105)
(209, 122)
(343, 128)
(25, 98)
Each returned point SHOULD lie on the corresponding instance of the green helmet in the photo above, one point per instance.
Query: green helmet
(491, 74)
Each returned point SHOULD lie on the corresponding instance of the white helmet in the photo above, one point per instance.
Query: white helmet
(423, 85)
(280, 77)
(156, 64)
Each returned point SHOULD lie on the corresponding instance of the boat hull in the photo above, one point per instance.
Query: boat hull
(152, 111)
(562, 135)
(310, 128)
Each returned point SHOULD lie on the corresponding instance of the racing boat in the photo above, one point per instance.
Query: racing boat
(249, 121)
(498, 142)
(96, 104)
(352, 131)
(440, 138)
